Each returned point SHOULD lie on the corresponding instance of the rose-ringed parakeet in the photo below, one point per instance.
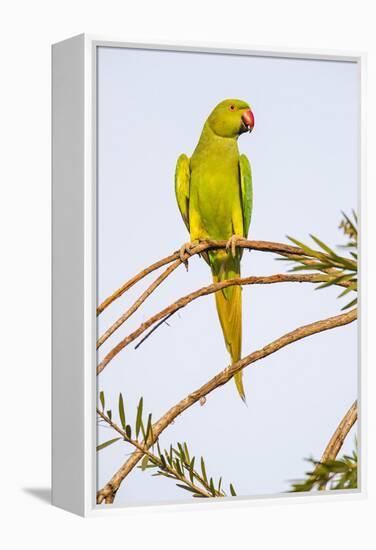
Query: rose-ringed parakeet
(214, 194)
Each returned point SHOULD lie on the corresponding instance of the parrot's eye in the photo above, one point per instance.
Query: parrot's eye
(232, 107)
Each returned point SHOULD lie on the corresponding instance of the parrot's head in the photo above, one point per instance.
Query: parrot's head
(230, 118)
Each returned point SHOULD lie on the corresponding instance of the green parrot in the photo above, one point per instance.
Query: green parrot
(214, 194)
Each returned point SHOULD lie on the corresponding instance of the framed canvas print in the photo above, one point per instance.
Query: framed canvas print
(206, 222)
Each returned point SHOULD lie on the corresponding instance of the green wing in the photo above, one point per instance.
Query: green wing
(182, 182)
(246, 188)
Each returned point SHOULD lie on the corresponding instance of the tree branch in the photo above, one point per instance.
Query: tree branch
(263, 246)
(210, 289)
(108, 492)
(137, 303)
(326, 470)
(131, 282)
(339, 436)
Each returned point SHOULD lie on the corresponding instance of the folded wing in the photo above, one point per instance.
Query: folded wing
(246, 192)
(182, 184)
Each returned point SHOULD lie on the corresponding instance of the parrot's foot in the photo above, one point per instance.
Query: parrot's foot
(186, 248)
(232, 243)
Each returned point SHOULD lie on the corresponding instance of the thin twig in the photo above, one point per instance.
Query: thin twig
(339, 436)
(108, 492)
(137, 303)
(126, 286)
(210, 289)
(154, 329)
(263, 246)
(286, 278)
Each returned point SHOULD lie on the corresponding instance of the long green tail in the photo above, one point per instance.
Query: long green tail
(229, 307)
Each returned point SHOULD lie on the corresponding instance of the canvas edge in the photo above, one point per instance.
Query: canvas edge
(363, 290)
(68, 277)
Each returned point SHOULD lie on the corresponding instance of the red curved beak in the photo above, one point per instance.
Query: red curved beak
(249, 119)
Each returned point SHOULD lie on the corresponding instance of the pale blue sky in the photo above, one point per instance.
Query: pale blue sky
(303, 151)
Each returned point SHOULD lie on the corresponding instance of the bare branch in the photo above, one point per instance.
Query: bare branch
(108, 492)
(339, 436)
(137, 303)
(263, 246)
(210, 289)
(126, 286)
(281, 278)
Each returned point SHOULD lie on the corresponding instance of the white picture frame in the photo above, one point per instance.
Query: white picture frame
(74, 269)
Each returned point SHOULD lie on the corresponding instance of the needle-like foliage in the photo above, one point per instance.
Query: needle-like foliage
(175, 463)
(334, 475)
(338, 268)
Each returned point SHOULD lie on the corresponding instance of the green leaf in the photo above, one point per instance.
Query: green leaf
(128, 431)
(178, 467)
(329, 282)
(347, 290)
(187, 488)
(107, 443)
(353, 303)
(181, 450)
(348, 263)
(203, 470)
(211, 485)
(232, 490)
(188, 459)
(191, 469)
(139, 417)
(101, 398)
(121, 412)
(159, 449)
(298, 243)
(168, 457)
(350, 223)
(143, 431)
(164, 474)
(317, 266)
(337, 280)
(163, 460)
(219, 484)
(308, 251)
(323, 246)
(149, 465)
(149, 428)
(144, 462)
(344, 278)
(302, 268)
(337, 466)
(331, 475)
(109, 414)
